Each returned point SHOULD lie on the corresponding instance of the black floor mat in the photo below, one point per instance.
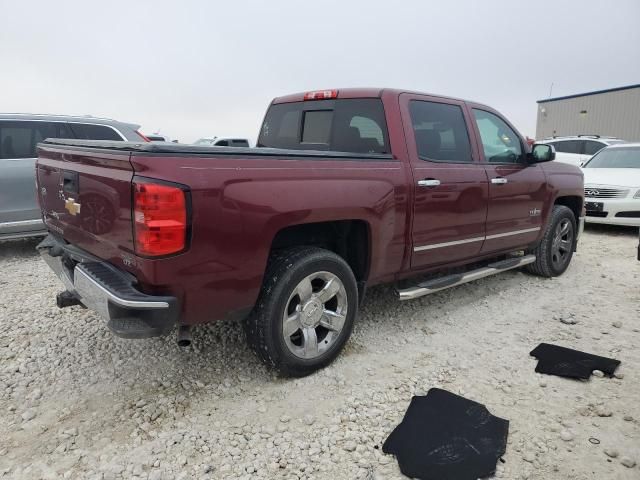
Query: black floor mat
(446, 437)
(565, 362)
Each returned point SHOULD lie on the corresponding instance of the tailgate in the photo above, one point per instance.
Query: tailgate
(85, 197)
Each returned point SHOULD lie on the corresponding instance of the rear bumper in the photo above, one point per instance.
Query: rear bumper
(110, 292)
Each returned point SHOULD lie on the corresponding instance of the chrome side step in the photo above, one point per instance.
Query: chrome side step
(448, 281)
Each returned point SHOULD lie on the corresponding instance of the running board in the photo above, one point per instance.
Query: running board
(448, 281)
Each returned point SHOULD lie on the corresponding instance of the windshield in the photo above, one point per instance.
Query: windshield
(627, 157)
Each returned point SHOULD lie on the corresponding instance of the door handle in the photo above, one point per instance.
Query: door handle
(429, 182)
(499, 181)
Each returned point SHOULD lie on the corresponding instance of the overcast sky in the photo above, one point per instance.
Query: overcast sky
(202, 68)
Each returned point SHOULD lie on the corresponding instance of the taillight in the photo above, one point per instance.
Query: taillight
(160, 219)
(321, 95)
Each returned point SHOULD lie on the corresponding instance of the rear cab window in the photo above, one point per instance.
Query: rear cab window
(355, 125)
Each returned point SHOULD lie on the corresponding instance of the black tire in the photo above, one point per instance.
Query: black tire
(264, 326)
(549, 261)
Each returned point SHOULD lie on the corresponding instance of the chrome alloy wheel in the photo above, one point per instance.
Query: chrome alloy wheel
(314, 315)
(562, 243)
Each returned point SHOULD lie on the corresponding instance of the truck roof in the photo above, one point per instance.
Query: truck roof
(363, 93)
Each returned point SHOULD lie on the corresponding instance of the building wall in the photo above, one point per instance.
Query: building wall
(616, 114)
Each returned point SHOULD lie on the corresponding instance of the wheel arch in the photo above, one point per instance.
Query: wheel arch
(573, 202)
(350, 239)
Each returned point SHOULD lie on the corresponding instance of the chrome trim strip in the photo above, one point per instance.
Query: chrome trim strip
(115, 299)
(448, 244)
(474, 239)
(420, 291)
(515, 232)
(21, 223)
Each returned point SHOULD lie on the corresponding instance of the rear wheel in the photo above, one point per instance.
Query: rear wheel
(305, 311)
(555, 250)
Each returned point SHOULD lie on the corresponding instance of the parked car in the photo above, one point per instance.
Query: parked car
(347, 189)
(579, 149)
(222, 142)
(612, 185)
(19, 133)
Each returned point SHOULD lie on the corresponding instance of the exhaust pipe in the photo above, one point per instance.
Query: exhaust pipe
(184, 335)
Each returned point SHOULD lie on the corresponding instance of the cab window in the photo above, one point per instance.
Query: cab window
(440, 132)
(501, 144)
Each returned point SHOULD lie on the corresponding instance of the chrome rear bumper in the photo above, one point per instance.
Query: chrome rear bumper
(110, 292)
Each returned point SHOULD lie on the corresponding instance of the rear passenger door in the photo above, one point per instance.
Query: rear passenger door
(517, 188)
(449, 183)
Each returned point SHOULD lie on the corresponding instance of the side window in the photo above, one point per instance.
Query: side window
(591, 147)
(239, 143)
(440, 132)
(44, 130)
(222, 143)
(500, 143)
(94, 132)
(17, 140)
(568, 146)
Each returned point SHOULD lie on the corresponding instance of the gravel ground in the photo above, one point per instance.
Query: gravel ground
(77, 402)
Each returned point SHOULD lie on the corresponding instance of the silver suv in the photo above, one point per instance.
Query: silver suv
(578, 149)
(19, 134)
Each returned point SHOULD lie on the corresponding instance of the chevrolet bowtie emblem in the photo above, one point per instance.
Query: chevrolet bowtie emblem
(72, 207)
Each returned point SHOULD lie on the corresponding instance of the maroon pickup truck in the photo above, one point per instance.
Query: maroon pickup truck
(346, 189)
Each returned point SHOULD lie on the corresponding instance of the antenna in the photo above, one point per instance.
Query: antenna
(550, 89)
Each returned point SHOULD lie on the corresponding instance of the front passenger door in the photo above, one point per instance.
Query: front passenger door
(517, 189)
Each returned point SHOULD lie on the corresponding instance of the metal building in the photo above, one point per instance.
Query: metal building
(614, 112)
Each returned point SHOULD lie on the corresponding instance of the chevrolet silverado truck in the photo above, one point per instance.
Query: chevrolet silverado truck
(345, 189)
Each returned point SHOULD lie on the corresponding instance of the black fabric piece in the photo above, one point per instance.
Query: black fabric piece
(565, 362)
(446, 437)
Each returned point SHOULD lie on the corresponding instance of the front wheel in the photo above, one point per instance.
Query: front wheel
(555, 250)
(305, 312)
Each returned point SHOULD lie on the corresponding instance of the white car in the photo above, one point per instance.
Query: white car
(612, 185)
(579, 149)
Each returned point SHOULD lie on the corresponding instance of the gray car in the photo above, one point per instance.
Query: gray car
(19, 134)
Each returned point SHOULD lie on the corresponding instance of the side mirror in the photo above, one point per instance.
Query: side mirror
(542, 152)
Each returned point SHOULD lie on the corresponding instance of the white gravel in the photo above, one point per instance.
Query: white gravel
(77, 402)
